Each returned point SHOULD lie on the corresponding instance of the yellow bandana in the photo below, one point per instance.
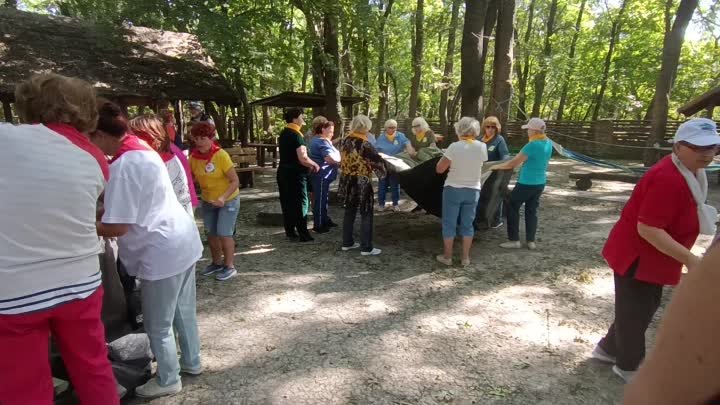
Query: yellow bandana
(420, 136)
(467, 138)
(391, 138)
(538, 137)
(487, 138)
(358, 135)
(294, 127)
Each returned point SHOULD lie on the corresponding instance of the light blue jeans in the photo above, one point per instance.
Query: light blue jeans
(459, 206)
(170, 304)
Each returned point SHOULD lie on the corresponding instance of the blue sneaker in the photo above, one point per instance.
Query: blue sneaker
(212, 268)
(226, 274)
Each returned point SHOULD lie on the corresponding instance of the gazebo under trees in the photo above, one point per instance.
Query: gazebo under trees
(134, 66)
(707, 102)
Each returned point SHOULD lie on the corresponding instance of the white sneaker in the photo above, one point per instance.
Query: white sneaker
(627, 376)
(354, 246)
(443, 260)
(396, 208)
(152, 389)
(601, 355)
(532, 245)
(511, 245)
(373, 252)
(380, 208)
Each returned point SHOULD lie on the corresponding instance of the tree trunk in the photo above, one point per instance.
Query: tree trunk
(307, 52)
(668, 70)
(571, 57)
(541, 76)
(348, 84)
(396, 97)
(10, 3)
(365, 73)
(331, 83)
(247, 113)
(7, 112)
(490, 20)
(471, 56)
(417, 58)
(449, 59)
(502, 67)
(668, 27)
(382, 111)
(614, 38)
(220, 124)
(524, 69)
(265, 124)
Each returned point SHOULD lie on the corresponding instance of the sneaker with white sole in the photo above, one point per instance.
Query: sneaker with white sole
(212, 268)
(465, 262)
(443, 260)
(153, 389)
(601, 355)
(226, 274)
(531, 245)
(627, 376)
(354, 246)
(191, 372)
(396, 208)
(373, 252)
(511, 245)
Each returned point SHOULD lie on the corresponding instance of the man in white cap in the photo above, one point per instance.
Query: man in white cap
(534, 158)
(197, 114)
(651, 241)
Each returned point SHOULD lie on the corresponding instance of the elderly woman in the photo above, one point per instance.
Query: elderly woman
(50, 280)
(292, 176)
(423, 144)
(159, 244)
(651, 241)
(359, 160)
(215, 172)
(151, 130)
(534, 158)
(324, 154)
(497, 151)
(391, 142)
(463, 161)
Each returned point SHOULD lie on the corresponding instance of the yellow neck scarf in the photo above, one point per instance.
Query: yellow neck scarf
(487, 138)
(295, 128)
(358, 135)
(538, 137)
(391, 138)
(467, 138)
(420, 136)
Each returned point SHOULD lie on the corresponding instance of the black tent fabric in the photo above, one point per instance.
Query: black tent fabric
(425, 186)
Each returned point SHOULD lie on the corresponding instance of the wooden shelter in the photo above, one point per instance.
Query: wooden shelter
(134, 66)
(707, 102)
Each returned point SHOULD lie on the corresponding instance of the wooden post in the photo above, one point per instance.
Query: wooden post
(177, 105)
(7, 111)
(602, 132)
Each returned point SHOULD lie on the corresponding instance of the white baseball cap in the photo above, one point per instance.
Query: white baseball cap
(698, 132)
(535, 124)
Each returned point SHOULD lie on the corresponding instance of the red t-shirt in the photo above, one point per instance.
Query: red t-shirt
(661, 199)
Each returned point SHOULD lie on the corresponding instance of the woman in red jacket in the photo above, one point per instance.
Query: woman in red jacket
(651, 241)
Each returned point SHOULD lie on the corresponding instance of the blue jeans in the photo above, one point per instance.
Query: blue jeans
(530, 196)
(321, 187)
(459, 206)
(385, 182)
(221, 221)
(170, 304)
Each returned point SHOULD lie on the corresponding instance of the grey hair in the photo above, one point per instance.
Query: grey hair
(360, 123)
(390, 122)
(422, 123)
(467, 126)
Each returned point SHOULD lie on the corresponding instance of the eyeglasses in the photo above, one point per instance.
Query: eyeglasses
(391, 128)
(490, 126)
(417, 126)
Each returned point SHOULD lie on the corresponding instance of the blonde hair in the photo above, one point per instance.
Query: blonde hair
(391, 122)
(151, 125)
(492, 120)
(420, 121)
(51, 98)
(360, 123)
(467, 126)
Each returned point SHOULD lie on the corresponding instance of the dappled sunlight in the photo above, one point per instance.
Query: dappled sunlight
(258, 250)
(289, 302)
(603, 221)
(337, 384)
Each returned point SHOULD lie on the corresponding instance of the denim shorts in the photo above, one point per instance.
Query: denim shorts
(221, 221)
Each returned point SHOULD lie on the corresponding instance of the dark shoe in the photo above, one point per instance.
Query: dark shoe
(497, 225)
(291, 236)
(321, 229)
(306, 237)
(331, 224)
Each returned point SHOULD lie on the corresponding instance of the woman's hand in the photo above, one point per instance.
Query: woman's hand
(220, 202)
(314, 168)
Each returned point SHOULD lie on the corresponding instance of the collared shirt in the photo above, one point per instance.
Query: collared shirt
(399, 143)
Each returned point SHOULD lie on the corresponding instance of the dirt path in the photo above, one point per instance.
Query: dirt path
(310, 324)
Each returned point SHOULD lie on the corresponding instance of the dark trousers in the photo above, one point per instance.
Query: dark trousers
(635, 305)
(321, 194)
(366, 228)
(292, 186)
(530, 196)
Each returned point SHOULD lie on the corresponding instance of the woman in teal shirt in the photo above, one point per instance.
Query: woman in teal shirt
(534, 158)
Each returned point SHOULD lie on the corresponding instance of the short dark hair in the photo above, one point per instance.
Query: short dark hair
(111, 119)
(318, 128)
(292, 113)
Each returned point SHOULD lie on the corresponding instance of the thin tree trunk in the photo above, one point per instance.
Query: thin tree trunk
(541, 76)
(470, 57)
(331, 48)
(7, 112)
(307, 54)
(396, 98)
(614, 38)
(220, 124)
(365, 73)
(382, 111)
(490, 20)
(668, 26)
(449, 64)
(665, 81)
(502, 67)
(417, 58)
(524, 70)
(571, 57)
(348, 85)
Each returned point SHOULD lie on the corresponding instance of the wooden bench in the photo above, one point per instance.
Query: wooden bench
(583, 180)
(245, 160)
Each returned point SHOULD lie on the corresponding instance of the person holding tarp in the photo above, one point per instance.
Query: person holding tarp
(651, 241)
(497, 150)
(390, 142)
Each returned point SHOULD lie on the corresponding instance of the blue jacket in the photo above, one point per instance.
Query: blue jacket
(398, 145)
(318, 150)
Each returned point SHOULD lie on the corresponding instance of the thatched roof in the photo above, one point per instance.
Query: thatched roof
(120, 62)
(710, 99)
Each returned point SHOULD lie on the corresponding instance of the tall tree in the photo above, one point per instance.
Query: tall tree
(449, 64)
(503, 63)
(470, 57)
(523, 70)
(666, 78)
(541, 76)
(417, 58)
(331, 68)
(491, 18)
(382, 113)
(571, 61)
(614, 38)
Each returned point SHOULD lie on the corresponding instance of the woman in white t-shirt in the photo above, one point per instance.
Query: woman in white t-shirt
(461, 193)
